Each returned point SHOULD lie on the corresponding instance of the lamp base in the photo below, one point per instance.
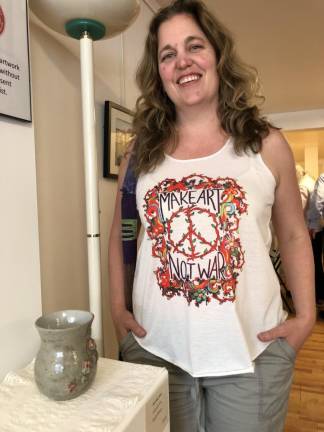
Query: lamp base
(76, 28)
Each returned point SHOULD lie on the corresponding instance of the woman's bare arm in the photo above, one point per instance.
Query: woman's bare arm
(118, 287)
(294, 243)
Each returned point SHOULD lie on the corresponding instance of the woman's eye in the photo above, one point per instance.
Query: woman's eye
(167, 56)
(196, 47)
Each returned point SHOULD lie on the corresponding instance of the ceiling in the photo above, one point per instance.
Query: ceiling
(284, 40)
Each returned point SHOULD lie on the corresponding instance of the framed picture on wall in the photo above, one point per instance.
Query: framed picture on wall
(118, 133)
(15, 98)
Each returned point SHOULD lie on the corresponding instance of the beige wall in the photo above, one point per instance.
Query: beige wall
(304, 130)
(59, 161)
(59, 173)
(308, 148)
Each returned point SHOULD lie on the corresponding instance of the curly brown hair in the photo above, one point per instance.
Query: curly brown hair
(238, 98)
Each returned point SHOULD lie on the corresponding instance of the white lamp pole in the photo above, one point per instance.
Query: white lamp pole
(91, 186)
(89, 20)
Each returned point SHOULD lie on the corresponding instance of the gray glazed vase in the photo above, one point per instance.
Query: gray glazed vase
(66, 363)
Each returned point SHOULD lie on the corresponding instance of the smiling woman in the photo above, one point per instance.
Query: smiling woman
(238, 86)
(204, 178)
(187, 64)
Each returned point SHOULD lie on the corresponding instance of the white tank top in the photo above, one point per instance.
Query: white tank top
(204, 284)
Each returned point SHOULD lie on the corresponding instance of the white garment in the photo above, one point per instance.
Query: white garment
(204, 282)
(306, 186)
(315, 213)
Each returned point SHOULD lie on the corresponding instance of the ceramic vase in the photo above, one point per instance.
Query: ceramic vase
(66, 363)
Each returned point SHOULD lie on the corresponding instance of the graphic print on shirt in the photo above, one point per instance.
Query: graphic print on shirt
(194, 227)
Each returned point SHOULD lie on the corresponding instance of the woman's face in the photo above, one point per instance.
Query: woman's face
(187, 63)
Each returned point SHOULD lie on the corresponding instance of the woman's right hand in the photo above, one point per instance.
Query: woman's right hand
(124, 323)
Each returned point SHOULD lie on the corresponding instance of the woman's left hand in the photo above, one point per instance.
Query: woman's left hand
(295, 331)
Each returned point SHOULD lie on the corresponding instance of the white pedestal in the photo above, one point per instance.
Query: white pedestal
(124, 397)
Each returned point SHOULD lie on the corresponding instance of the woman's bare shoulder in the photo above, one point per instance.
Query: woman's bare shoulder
(277, 154)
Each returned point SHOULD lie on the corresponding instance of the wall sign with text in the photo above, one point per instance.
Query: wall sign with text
(15, 98)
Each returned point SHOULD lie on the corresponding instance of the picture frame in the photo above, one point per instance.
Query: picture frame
(15, 88)
(117, 135)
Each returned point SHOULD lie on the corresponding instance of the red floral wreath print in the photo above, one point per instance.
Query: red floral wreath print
(193, 224)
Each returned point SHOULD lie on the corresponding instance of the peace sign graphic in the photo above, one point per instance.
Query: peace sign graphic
(184, 230)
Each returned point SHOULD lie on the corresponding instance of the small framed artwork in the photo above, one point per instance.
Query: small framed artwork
(118, 133)
(15, 97)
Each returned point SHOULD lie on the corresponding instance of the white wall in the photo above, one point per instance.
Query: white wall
(20, 296)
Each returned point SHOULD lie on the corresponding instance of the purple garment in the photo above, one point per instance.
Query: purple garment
(129, 216)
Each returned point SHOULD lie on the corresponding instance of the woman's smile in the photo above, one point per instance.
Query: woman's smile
(186, 79)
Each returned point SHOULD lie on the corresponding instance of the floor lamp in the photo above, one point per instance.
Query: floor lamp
(88, 21)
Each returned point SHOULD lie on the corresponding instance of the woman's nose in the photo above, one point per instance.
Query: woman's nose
(183, 61)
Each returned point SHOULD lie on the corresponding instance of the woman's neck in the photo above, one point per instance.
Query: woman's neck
(199, 130)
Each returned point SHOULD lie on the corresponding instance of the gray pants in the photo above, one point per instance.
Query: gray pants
(251, 402)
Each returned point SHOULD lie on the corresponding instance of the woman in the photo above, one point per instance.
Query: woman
(206, 301)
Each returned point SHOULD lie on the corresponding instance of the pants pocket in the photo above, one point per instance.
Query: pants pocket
(124, 342)
(274, 369)
(288, 349)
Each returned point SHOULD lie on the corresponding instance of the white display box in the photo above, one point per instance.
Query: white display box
(124, 397)
(151, 414)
